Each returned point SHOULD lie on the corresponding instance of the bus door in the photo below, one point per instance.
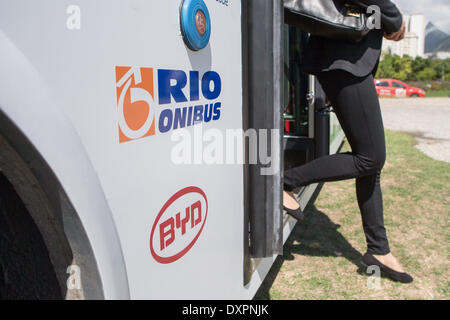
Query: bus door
(262, 111)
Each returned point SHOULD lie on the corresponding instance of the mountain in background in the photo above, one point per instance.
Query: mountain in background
(436, 39)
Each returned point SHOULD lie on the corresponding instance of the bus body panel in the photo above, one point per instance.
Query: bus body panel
(82, 70)
(103, 99)
(27, 100)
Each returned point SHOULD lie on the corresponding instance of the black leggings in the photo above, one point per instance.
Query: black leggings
(356, 104)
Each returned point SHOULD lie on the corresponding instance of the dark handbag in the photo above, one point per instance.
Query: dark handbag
(334, 19)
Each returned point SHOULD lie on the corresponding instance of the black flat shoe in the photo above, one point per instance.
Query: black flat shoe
(403, 277)
(296, 214)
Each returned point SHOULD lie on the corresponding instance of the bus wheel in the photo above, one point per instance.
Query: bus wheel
(26, 271)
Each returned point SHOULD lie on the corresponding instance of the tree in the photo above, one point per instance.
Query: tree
(418, 64)
(426, 74)
(385, 68)
(407, 69)
(403, 68)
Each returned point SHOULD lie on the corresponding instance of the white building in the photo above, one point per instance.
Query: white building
(441, 55)
(414, 42)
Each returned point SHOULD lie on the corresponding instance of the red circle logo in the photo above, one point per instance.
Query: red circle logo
(178, 225)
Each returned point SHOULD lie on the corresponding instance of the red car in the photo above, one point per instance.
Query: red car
(396, 88)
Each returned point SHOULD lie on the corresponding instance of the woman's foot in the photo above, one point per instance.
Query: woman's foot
(289, 201)
(389, 266)
(390, 261)
(291, 206)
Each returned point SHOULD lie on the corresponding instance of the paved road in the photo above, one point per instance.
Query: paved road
(427, 119)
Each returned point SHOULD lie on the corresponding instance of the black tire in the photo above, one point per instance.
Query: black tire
(414, 95)
(26, 271)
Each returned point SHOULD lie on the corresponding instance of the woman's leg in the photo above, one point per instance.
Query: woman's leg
(357, 108)
(356, 104)
(370, 201)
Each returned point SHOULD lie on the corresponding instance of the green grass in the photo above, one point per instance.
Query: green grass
(440, 93)
(322, 256)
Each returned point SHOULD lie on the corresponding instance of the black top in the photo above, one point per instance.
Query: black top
(360, 58)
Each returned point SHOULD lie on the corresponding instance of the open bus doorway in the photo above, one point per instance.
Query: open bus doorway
(277, 95)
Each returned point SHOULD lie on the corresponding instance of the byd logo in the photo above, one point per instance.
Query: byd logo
(139, 115)
(178, 225)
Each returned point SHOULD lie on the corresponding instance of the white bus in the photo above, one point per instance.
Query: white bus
(92, 96)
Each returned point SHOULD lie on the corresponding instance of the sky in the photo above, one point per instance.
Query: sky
(436, 11)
